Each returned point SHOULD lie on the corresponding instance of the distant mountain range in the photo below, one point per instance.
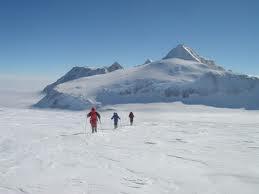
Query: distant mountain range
(182, 75)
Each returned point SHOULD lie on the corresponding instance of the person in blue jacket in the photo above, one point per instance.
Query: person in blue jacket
(115, 118)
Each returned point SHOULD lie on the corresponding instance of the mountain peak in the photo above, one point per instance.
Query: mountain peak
(183, 52)
(115, 63)
(148, 61)
(114, 66)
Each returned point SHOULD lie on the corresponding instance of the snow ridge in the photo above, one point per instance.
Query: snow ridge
(183, 52)
(187, 53)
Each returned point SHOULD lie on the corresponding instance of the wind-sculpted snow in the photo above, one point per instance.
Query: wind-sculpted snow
(171, 148)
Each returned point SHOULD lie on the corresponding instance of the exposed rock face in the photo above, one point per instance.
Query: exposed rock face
(115, 66)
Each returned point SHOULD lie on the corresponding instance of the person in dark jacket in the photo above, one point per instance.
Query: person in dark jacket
(115, 118)
(131, 116)
(94, 117)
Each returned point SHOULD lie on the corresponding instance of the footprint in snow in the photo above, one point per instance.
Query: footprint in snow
(135, 183)
(150, 143)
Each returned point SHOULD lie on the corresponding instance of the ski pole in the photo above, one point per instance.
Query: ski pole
(100, 124)
(85, 125)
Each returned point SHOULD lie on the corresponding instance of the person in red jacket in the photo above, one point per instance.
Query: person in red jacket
(94, 116)
(131, 116)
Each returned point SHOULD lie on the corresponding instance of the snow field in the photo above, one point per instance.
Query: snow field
(171, 148)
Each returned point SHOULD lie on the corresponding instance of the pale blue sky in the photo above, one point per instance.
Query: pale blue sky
(48, 37)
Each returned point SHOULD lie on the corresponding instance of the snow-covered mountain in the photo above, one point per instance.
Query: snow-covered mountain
(180, 76)
(147, 61)
(78, 72)
(184, 52)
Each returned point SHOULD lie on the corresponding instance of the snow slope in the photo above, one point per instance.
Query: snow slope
(172, 148)
(78, 72)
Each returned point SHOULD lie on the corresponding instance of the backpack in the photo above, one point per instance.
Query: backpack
(93, 116)
(131, 115)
